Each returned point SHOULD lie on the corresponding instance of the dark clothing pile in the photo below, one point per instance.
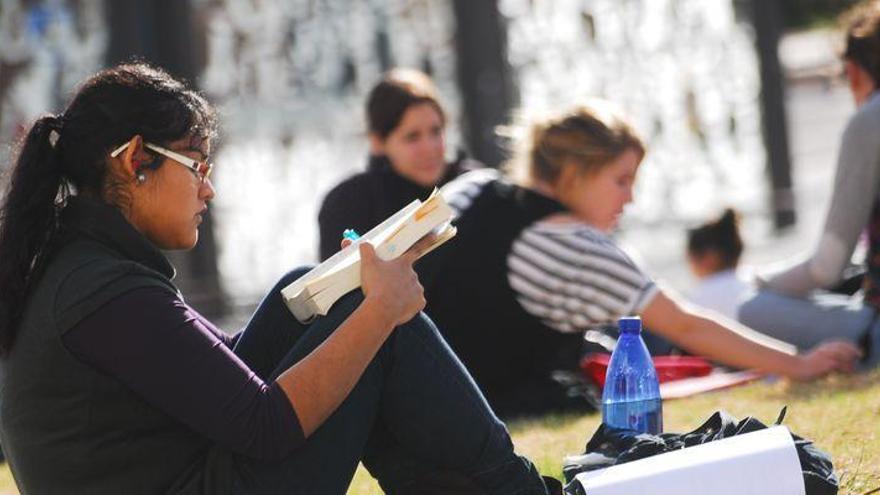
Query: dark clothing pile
(619, 446)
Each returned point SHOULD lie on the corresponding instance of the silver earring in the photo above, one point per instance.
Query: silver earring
(141, 178)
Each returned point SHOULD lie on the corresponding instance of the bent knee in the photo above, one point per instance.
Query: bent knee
(292, 276)
(421, 322)
(423, 329)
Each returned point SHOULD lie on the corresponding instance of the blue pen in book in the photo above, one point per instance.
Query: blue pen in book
(351, 235)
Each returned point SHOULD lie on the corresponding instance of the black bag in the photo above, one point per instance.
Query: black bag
(610, 446)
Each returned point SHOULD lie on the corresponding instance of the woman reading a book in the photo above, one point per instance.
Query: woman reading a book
(406, 125)
(533, 266)
(112, 384)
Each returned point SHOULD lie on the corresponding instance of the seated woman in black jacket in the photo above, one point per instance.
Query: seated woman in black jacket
(406, 124)
(112, 384)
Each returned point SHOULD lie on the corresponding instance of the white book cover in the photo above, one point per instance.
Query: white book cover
(350, 254)
(315, 292)
(763, 462)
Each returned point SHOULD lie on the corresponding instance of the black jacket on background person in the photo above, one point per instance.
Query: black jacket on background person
(512, 355)
(364, 200)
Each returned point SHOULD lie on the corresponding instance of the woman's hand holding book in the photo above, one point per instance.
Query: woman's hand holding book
(393, 285)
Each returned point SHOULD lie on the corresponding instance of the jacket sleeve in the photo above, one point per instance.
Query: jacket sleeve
(350, 205)
(174, 360)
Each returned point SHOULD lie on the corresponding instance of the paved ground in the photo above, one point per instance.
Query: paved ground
(818, 105)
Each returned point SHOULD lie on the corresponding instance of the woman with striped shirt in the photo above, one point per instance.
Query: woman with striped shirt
(533, 267)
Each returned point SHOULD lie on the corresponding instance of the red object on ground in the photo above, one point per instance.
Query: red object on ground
(669, 368)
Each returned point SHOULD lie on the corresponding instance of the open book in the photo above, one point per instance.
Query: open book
(314, 293)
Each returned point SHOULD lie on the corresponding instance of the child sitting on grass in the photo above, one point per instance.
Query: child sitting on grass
(713, 252)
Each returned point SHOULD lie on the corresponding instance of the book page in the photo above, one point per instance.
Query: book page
(389, 242)
(315, 292)
(324, 299)
(351, 253)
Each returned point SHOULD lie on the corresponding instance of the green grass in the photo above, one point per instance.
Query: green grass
(840, 414)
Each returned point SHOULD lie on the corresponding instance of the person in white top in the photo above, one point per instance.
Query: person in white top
(713, 254)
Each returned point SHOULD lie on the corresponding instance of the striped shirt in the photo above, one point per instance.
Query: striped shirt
(569, 275)
(572, 276)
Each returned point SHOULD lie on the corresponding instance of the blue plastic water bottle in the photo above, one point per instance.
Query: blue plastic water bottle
(631, 398)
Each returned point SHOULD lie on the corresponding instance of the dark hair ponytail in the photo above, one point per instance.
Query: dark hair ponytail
(27, 218)
(71, 150)
(722, 236)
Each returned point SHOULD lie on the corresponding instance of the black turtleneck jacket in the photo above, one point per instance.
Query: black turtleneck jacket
(115, 385)
(364, 200)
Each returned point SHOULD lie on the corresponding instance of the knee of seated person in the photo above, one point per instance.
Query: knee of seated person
(346, 304)
(420, 327)
(350, 301)
(291, 276)
(420, 323)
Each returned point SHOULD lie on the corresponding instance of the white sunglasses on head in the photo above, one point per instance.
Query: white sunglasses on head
(201, 169)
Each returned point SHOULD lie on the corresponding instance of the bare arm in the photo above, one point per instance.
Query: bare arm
(731, 343)
(319, 383)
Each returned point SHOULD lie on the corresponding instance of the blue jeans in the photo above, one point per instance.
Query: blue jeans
(414, 413)
(807, 322)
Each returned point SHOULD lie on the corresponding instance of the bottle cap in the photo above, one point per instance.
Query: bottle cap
(630, 324)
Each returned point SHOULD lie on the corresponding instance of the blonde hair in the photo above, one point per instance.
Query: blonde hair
(589, 136)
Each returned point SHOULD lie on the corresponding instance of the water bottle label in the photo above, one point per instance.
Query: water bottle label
(644, 416)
